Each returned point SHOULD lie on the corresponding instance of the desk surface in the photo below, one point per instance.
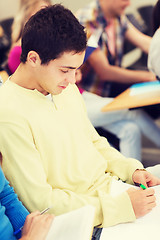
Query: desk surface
(146, 227)
(125, 100)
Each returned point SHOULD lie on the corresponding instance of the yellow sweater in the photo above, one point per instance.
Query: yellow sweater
(52, 155)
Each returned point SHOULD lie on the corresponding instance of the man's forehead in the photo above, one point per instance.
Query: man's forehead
(70, 60)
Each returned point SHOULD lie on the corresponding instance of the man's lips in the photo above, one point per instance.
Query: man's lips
(63, 87)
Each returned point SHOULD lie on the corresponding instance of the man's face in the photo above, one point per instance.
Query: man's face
(55, 77)
(117, 7)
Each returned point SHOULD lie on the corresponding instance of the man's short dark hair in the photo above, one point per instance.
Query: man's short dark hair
(51, 32)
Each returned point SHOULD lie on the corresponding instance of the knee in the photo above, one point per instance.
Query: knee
(134, 114)
(130, 131)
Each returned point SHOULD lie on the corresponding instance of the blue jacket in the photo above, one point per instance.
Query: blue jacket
(12, 212)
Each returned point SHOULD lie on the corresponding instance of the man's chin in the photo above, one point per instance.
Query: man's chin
(59, 91)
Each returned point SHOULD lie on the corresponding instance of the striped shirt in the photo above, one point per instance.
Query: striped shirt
(97, 28)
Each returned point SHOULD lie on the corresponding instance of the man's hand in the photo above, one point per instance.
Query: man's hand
(142, 200)
(145, 178)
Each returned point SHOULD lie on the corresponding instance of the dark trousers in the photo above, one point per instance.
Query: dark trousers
(96, 233)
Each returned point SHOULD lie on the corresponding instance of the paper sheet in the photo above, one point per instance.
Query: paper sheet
(74, 225)
(146, 87)
(144, 228)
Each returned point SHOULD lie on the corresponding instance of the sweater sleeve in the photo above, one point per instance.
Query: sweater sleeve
(117, 164)
(14, 209)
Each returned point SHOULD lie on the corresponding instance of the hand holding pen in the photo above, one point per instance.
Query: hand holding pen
(142, 200)
(141, 176)
(36, 225)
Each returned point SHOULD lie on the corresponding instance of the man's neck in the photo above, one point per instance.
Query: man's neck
(21, 78)
(26, 79)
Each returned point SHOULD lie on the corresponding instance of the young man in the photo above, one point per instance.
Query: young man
(107, 27)
(51, 153)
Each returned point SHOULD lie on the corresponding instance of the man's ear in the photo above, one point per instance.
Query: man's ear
(33, 58)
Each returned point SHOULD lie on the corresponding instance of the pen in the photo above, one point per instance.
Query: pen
(142, 186)
(44, 211)
(18, 231)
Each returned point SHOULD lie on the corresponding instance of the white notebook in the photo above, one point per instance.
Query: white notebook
(145, 87)
(144, 228)
(74, 225)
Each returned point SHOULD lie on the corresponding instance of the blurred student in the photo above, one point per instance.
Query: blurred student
(156, 16)
(107, 27)
(26, 10)
(154, 59)
(127, 125)
(153, 56)
(14, 215)
(54, 156)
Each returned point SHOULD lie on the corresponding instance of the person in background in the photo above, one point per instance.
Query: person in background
(107, 27)
(156, 16)
(154, 60)
(127, 125)
(14, 215)
(153, 57)
(54, 155)
(26, 10)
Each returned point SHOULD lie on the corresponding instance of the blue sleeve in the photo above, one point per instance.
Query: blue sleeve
(14, 209)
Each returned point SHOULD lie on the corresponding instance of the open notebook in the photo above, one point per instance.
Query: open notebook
(74, 225)
(146, 227)
(145, 87)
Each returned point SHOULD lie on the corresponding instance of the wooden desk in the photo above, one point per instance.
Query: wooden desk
(4, 75)
(125, 100)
